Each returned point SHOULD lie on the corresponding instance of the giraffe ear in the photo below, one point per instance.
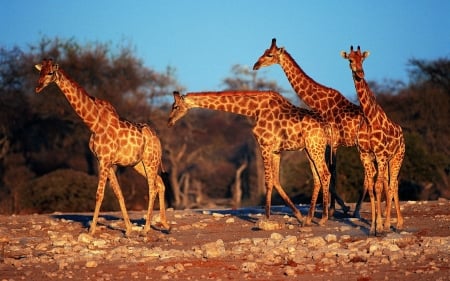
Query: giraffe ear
(365, 54)
(38, 66)
(344, 54)
(55, 67)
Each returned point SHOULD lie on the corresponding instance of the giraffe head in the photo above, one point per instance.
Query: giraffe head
(48, 74)
(179, 109)
(270, 56)
(356, 59)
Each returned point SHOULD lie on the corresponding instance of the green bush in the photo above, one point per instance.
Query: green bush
(64, 190)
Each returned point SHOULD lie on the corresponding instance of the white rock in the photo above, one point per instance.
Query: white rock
(269, 225)
(230, 220)
(330, 238)
(91, 264)
(214, 249)
(316, 241)
(218, 215)
(290, 271)
(290, 240)
(85, 238)
(276, 236)
(249, 266)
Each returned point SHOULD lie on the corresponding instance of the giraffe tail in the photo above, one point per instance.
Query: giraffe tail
(162, 167)
(329, 136)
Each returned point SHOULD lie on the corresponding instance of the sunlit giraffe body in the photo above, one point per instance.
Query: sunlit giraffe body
(278, 126)
(114, 141)
(386, 147)
(344, 116)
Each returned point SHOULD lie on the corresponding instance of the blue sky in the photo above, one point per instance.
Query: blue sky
(202, 39)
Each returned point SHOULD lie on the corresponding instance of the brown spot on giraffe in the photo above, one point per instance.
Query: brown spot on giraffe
(303, 129)
(143, 153)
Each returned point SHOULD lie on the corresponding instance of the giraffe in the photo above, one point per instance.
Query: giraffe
(344, 116)
(278, 126)
(386, 146)
(114, 141)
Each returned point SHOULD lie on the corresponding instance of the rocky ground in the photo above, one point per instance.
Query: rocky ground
(227, 245)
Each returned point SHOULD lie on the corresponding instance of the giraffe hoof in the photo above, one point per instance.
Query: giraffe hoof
(331, 212)
(307, 222)
(92, 231)
(346, 209)
(165, 228)
(379, 232)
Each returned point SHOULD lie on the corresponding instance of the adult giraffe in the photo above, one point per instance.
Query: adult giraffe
(113, 141)
(386, 147)
(344, 116)
(278, 126)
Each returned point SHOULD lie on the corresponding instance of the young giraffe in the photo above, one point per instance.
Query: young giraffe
(279, 126)
(344, 116)
(114, 141)
(386, 146)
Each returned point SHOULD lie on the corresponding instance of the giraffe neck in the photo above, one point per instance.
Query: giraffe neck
(313, 94)
(84, 105)
(247, 103)
(366, 98)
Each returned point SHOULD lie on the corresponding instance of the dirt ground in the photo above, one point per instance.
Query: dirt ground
(227, 245)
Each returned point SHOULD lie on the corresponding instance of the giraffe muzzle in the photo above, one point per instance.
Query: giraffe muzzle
(359, 73)
(38, 89)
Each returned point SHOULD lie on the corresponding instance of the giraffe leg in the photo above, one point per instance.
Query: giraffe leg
(324, 182)
(331, 161)
(388, 195)
(279, 188)
(394, 170)
(356, 213)
(268, 178)
(118, 192)
(155, 187)
(152, 192)
(315, 194)
(379, 189)
(372, 210)
(102, 178)
(321, 178)
(334, 195)
(268, 200)
(159, 189)
(162, 202)
(369, 173)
